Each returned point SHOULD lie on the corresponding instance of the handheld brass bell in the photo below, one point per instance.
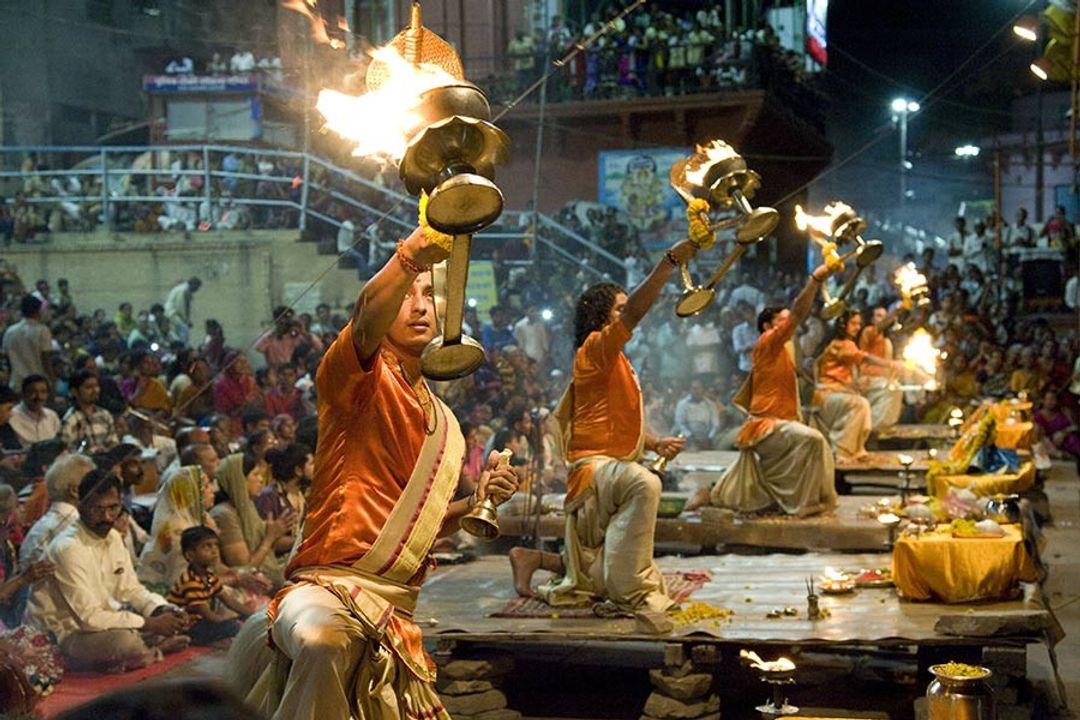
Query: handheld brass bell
(451, 156)
(718, 174)
(840, 225)
(482, 520)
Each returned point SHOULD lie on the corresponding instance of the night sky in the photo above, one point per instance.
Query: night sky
(917, 45)
(882, 49)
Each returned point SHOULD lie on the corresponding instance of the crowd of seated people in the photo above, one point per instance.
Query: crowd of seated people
(159, 470)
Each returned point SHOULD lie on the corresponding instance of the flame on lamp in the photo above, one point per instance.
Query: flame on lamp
(908, 279)
(307, 8)
(821, 226)
(780, 664)
(714, 152)
(381, 121)
(920, 354)
(831, 574)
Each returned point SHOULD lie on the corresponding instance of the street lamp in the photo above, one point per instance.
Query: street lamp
(1027, 28)
(967, 151)
(902, 107)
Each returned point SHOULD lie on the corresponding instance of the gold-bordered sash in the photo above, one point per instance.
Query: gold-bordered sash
(403, 544)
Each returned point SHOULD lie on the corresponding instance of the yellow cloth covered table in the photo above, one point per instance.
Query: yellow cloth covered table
(985, 485)
(1013, 436)
(939, 566)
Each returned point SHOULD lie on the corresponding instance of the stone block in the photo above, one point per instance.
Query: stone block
(474, 703)
(994, 623)
(687, 687)
(679, 670)
(1009, 661)
(462, 687)
(477, 668)
(659, 705)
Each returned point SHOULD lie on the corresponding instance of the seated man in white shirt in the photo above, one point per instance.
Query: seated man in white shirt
(83, 602)
(62, 484)
(697, 418)
(30, 419)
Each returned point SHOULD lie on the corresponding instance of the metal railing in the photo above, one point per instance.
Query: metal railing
(190, 188)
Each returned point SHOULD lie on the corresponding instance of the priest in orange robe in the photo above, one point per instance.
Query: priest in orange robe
(878, 383)
(844, 414)
(386, 468)
(783, 464)
(611, 499)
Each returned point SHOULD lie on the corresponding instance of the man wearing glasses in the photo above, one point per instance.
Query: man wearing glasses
(93, 579)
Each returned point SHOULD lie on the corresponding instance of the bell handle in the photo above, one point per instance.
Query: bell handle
(726, 223)
(741, 202)
(826, 296)
(687, 279)
(729, 261)
(850, 284)
(457, 277)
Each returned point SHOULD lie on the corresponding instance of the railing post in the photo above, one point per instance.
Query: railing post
(206, 184)
(304, 192)
(105, 189)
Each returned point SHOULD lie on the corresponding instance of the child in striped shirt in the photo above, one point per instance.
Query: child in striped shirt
(212, 607)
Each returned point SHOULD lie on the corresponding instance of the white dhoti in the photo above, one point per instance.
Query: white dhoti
(885, 404)
(328, 664)
(790, 468)
(608, 550)
(844, 418)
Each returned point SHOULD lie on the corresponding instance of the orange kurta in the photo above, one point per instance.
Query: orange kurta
(607, 412)
(836, 369)
(774, 393)
(874, 342)
(371, 429)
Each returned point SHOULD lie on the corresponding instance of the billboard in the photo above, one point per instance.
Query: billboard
(817, 13)
(636, 182)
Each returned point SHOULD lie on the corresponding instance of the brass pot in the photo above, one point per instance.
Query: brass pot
(951, 697)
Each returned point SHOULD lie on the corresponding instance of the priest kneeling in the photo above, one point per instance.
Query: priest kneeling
(783, 464)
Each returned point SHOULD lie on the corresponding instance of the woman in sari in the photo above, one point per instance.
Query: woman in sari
(844, 416)
(236, 390)
(247, 541)
(30, 663)
(183, 500)
(1058, 427)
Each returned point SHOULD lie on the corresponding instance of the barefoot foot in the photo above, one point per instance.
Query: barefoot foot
(699, 499)
(524, 563)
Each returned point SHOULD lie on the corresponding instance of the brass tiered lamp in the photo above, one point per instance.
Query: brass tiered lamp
(717, 174)
(451, 156)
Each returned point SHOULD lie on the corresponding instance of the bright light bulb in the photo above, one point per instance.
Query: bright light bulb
(546, 314)
(899, 105)
(1038, 70)
(1027, 29)
(913, 106)
(471, 302)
